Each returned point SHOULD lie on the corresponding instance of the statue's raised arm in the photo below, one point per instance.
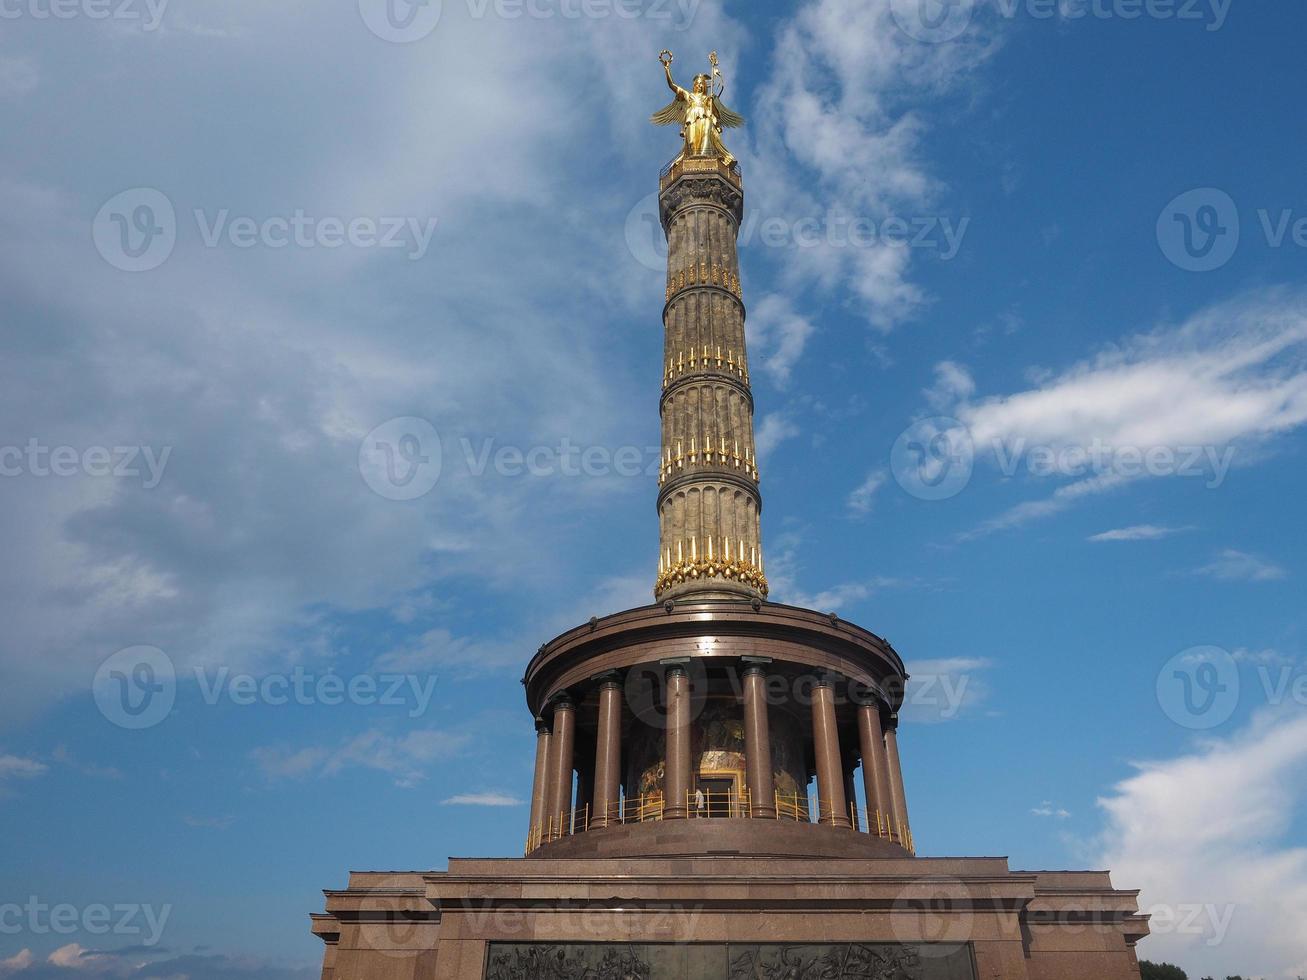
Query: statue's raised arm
(700, 113)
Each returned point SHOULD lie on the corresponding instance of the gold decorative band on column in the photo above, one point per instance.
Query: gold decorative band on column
(693, 569)
(711, 452)
(706, 359)
(703, 274)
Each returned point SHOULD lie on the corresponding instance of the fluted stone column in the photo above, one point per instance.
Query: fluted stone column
(608, 754)
(875, 767)
(898, 796)
(831, 808)
(757, 744)
(560, 763)
(538, 784)
(676, 772)
(709, 503)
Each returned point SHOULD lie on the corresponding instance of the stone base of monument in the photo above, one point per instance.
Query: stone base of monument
(726, 917)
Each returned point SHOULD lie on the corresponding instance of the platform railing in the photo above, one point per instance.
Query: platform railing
(701, 805)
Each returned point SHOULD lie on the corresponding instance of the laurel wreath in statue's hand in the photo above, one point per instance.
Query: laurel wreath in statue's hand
(666, 58)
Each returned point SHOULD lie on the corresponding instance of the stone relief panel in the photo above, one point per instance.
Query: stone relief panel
(733, 961)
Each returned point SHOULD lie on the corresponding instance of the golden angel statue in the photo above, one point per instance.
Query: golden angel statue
(700, 113)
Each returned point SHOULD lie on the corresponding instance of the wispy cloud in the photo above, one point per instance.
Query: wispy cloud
(1139, 532)
(1050, 809)
(1184, 401)
(773, 429)
(406, 758)
(1232, 565)
(482, 799)
(861, 499)
(18, 767)
(778, 335)
(73, 961)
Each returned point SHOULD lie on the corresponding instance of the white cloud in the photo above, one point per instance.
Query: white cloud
(18, 962)
(1231, 565)
(772, 430)
(953, 383)
(1201, 396)
(264, 369)
(482, 799)
(407, 758)
(1207, 831)
(860, 500)
(1050, 809)
(777, 336)
(836, 137)
(16, 767)
(1139, 532)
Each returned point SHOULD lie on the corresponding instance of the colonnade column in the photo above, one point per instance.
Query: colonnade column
(676, 774)
(831, 805)
(559, 800)
(850, 793)
(538, 784)
(757, 743)
(898, 797)
(875, 766)
(608, 754)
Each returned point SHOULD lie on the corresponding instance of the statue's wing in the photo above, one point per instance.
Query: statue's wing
(729, 118)
(671, 115)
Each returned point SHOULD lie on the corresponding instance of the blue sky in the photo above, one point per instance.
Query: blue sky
(1058, 596)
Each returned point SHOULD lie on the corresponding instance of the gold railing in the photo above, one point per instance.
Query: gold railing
(701, 805)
